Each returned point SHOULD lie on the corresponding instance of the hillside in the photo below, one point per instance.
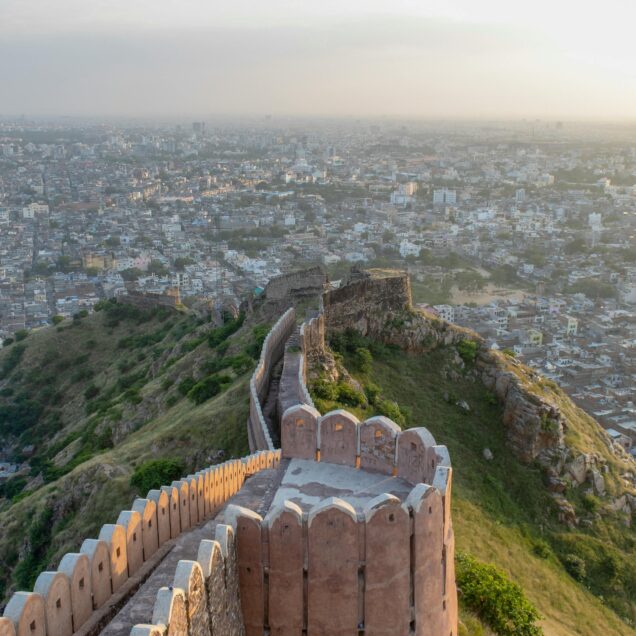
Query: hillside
(581, 577)
(96, 398)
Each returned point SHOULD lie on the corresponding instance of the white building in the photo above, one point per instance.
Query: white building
(444, 196)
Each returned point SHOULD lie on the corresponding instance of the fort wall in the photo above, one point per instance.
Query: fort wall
(70, 600)
(273, 347)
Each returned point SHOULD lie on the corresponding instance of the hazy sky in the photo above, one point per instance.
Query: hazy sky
(411, 58)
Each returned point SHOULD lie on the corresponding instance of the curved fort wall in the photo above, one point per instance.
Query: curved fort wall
(68, 601)
(273, 347)
(384, 568)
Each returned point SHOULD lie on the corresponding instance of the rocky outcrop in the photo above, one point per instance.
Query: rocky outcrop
(534, 426)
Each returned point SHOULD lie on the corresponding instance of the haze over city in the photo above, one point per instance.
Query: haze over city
(404, 58)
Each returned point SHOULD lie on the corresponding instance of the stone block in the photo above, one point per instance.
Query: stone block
(333, 560)
(150, 526)
(387, 557)
(299, 432)
(175, 510)
(27, 612)
(6, 627)
(286, 561)
(378, 438)
(425, 503)
(416, 458)
(99, 556)
(183, 488)
(193, 490)
(170, 610)
(162, 511)
(247, 526)
(338, 438)
(131, 522)
(115, 537)
(77, 568)
(55, 589)
(189, 578)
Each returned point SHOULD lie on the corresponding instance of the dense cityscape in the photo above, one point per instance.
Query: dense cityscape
(522, 232)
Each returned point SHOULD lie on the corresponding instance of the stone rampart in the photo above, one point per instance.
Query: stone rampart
(72, 599)
(377, 444)
(273, 347)
(333, 570)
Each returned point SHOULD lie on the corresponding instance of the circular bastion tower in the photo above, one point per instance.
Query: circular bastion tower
(358, 538)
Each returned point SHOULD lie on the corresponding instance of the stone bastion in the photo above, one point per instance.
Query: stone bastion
(346, 530)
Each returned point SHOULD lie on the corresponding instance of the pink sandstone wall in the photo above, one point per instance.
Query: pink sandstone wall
(65, 600)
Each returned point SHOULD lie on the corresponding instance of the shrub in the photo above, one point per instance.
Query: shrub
(467, 350)
(7, 341)
(499, 602)
(509, 352)
(21, 334)
(350, 396)
(392, 410)
(156, 473)
(363, 360)
(324, 390)
(541, 549)
(575, 566)
(208, 388)
(91, 392)
(372, 391)
(56, 320)
(185, 385)
(172, 399)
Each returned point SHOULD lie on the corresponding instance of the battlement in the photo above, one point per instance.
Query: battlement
(355, 534)
(88, 586)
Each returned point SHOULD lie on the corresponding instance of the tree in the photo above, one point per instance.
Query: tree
(158, 268)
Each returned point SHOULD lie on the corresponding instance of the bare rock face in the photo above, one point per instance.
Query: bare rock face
(565, 511)
(535, 428)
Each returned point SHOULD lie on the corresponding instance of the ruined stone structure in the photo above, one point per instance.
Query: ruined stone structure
(346, 530)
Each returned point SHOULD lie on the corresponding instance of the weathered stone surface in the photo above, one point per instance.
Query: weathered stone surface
(333, 556)
(55, 589)
(148, 630)
(286, 559)
(131, 522)
(425, 503)
(6, 627)
(387, 557)
(170, 610)
(115, 536)
(183, 488)
(231, 622)
(299, 432)
(27, 612)
(378, 438)
(99, 556)
(338, 437)
(77, 568)
(162, 512)
(147, 508)
(189, 578)
(250, 568)
(416, 458)
(175, 510)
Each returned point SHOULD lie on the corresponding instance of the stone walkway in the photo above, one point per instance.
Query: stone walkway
(256, 495)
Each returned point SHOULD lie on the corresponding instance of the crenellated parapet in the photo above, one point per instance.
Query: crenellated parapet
(73, 598)
(377, 444)
(273, 346)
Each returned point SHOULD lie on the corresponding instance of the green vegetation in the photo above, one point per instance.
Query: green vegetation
(487, 591)
(467, 350)
(156, 473)
(502, 512)
(100, 400)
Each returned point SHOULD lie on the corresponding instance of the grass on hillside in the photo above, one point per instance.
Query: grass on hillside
(77, 483)
(501, 511)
